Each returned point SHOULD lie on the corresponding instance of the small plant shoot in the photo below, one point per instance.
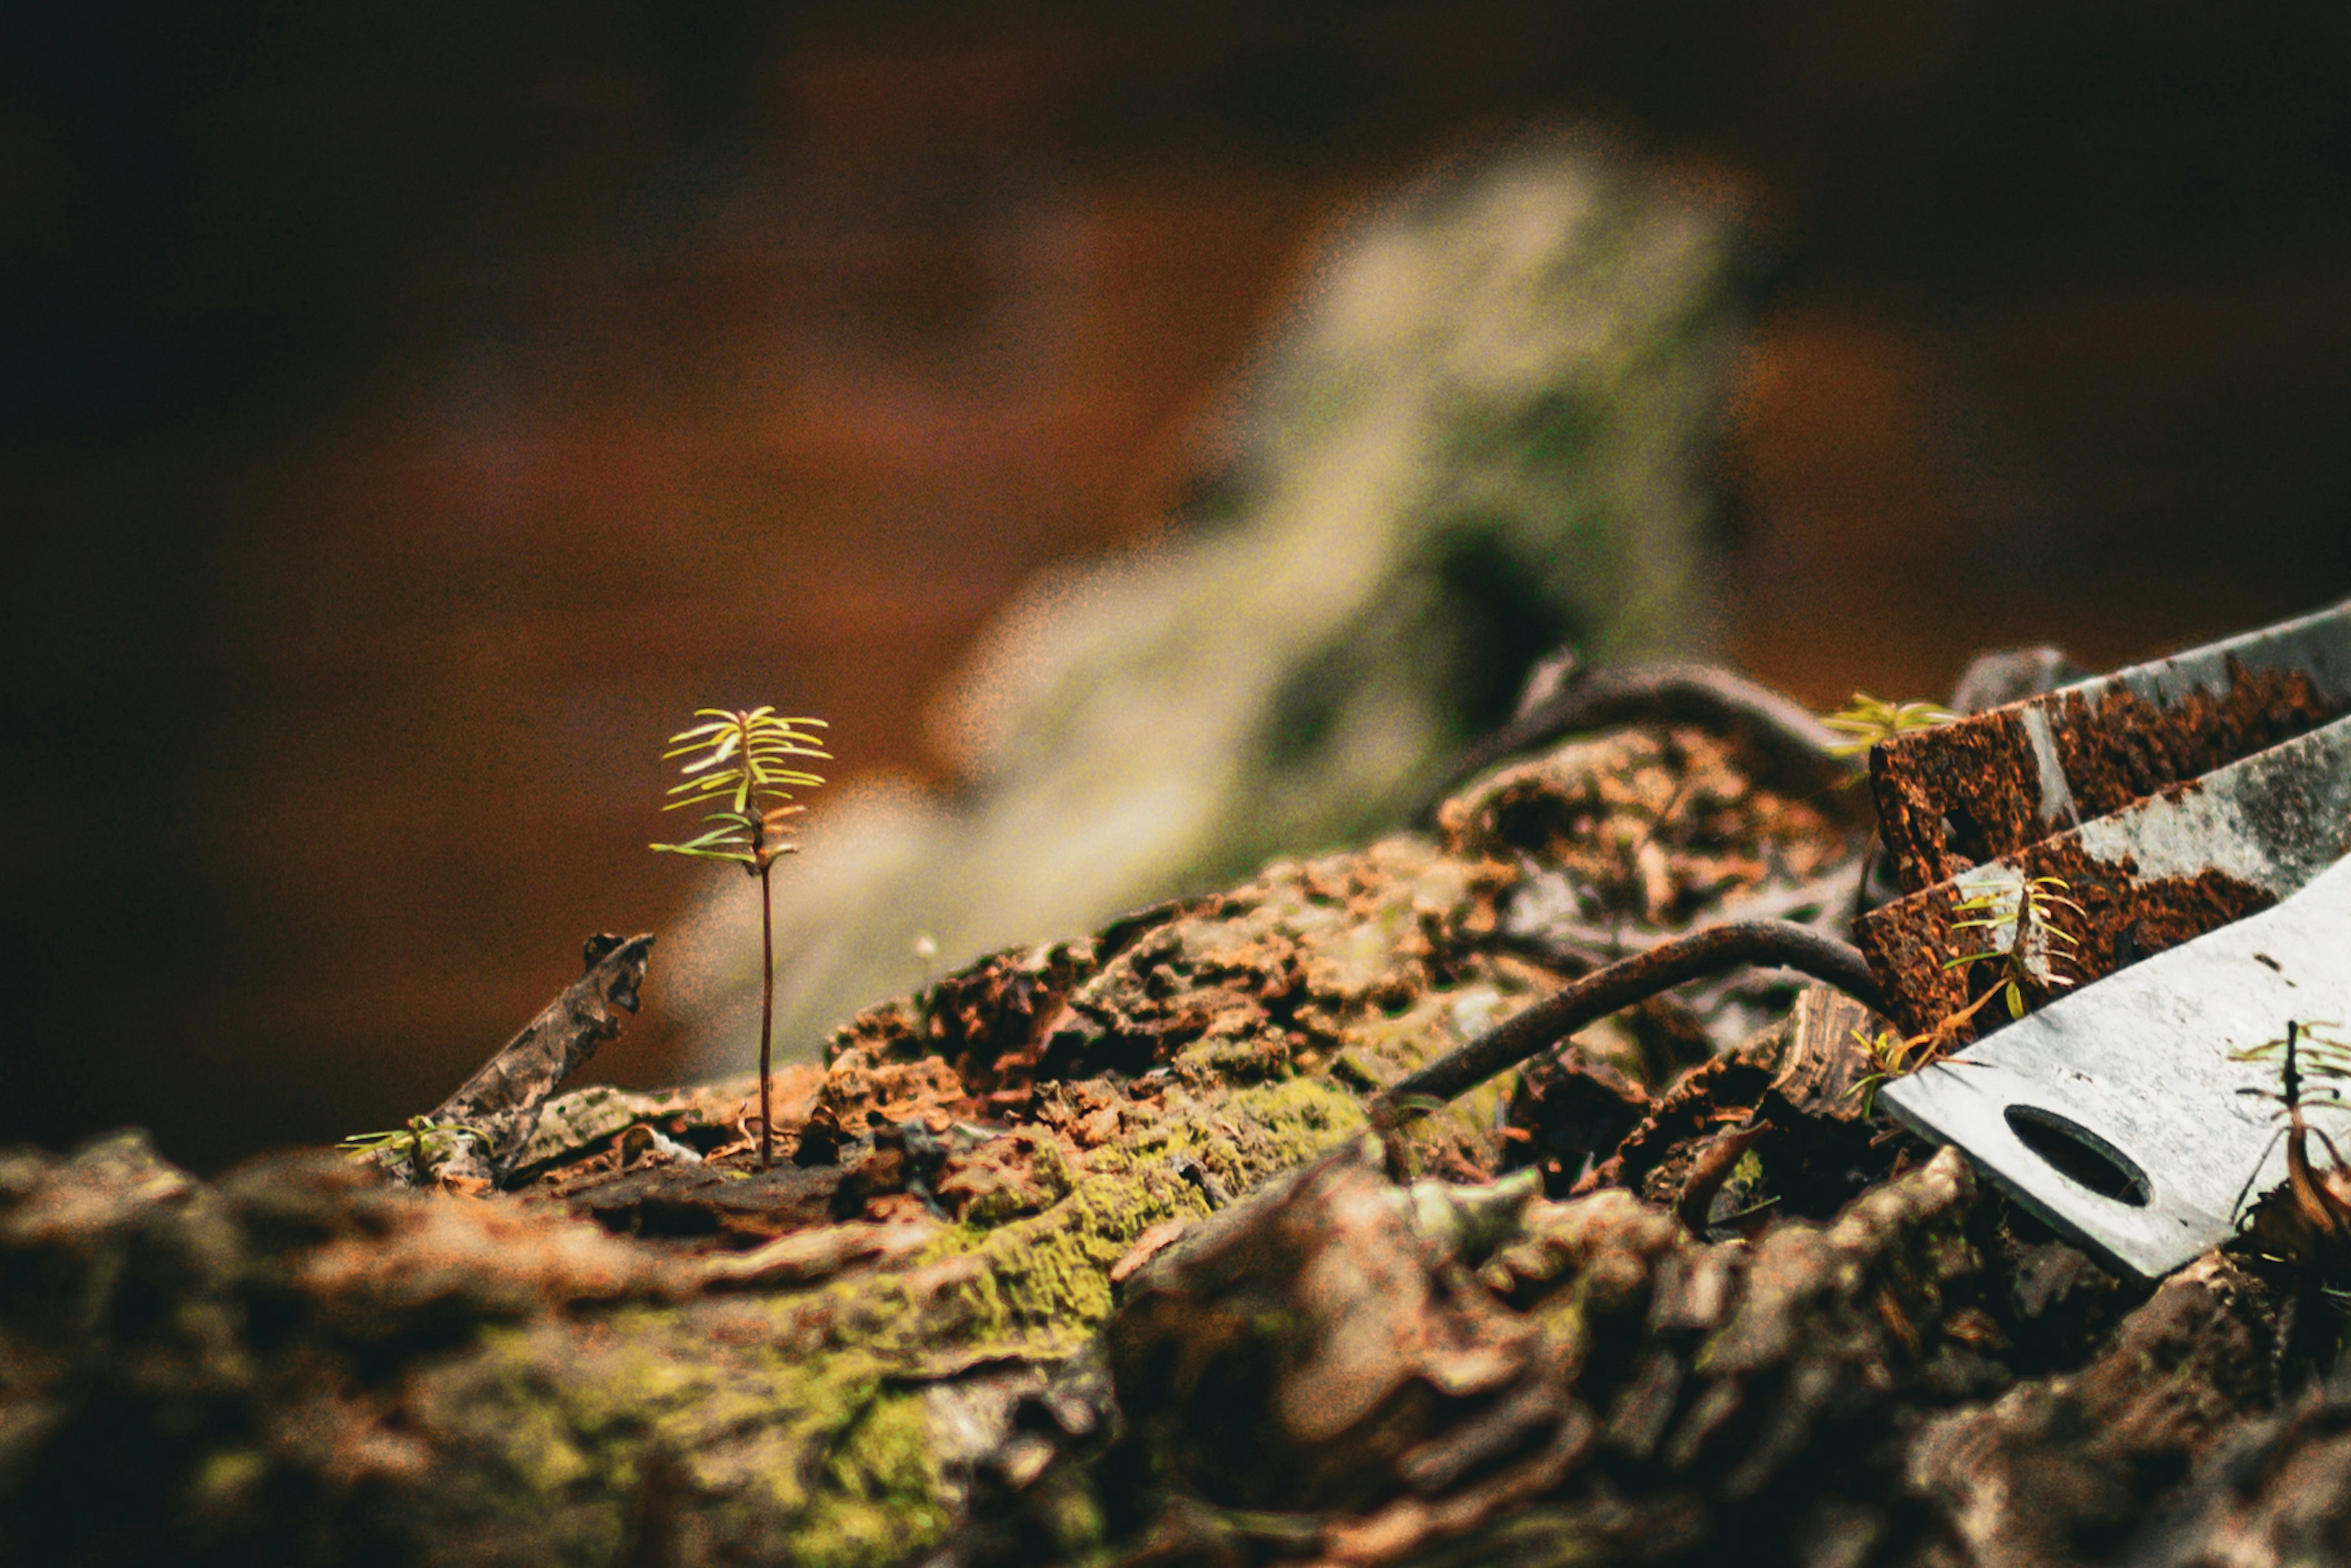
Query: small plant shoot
(740, 770)
(1891, 1054)
(2313, 1063)
(2029, 909)
(2029, 956)
(423, 1143)
(1867, 720)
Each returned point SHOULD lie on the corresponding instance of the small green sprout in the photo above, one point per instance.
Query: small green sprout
(1894, 1054)
(741, 765)
(2304, 1053)
(1884, 1053)
(2028, 908)
(2028, 955)
(1867, 720)
(428, 1143)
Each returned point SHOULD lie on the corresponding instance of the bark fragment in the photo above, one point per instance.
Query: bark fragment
(1387, 1395)
(2060, 1472)
(501, 1102)
(2272, 1493)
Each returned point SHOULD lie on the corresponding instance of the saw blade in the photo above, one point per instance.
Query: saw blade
(1994, 783)
(2118, 1113)
(2146, 878)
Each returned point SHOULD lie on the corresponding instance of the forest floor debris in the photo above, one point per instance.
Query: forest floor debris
(1093, 1252)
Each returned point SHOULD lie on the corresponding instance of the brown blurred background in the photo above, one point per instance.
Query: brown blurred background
(408, 413)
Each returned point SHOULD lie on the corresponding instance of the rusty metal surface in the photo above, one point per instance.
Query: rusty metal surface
(1993, 784)
(2118, 1113)
(2156, 873)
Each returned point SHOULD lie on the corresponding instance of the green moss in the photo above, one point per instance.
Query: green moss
(227, 1477)
(881, 1499)
(1051, 1273)
(806, 1408)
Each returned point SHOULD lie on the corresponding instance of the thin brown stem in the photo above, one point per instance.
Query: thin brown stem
(766, 1016)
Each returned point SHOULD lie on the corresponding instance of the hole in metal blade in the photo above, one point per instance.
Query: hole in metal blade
(2080, 1156)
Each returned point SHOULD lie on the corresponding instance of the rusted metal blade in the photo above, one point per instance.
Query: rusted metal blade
(1991, 785)
(2116, 1112)
(2149, 877)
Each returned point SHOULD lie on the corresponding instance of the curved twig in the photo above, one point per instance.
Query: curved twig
(1786, 737)
(1575, 949)
(1712, 1171)
(1604, 991)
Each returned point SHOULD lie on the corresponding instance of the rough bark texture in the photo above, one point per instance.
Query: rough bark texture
(1090, 1254)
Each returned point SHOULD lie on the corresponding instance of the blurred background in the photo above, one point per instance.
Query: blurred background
(409, 413)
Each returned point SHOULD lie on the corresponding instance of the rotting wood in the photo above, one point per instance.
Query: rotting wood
(1320, 1369)
(2272, 1494)
(1817, 1056)
(890, 1351)
(2057, 1474)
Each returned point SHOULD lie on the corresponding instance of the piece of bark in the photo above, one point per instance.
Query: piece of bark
(1566, 1112)
(1662, 835)
(816, 1254)
(503, 1098)
(1360, 1323)
(1313, 1367)
(1817, 1056)
(1792, 1084)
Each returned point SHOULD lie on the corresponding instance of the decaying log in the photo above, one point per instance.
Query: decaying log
(1329, 1369)
(2272, 1493)
(2060, 1472)
(1093, 1252)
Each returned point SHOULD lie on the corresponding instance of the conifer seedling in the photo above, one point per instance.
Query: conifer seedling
(1867, 720)
(740, 764)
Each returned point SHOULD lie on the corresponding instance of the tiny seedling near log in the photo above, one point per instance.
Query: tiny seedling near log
(1862, 723)
(1867, 720)
(740, 764)
(2028, 955)
(423, 1143)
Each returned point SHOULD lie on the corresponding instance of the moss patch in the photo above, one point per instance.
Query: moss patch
(805, 1407)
